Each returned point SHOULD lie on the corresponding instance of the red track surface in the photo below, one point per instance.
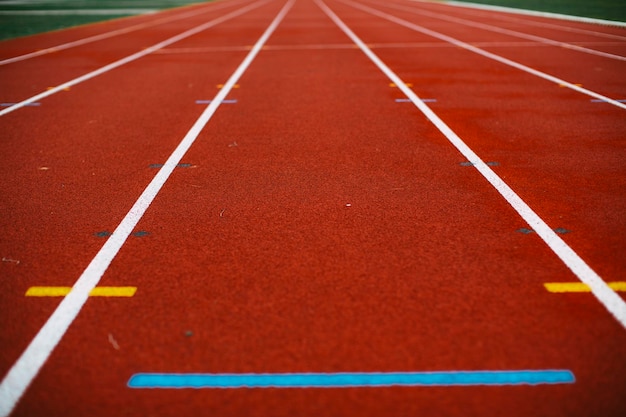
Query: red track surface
(254, 248)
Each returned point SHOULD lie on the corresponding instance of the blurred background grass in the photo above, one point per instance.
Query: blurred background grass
(27, 17)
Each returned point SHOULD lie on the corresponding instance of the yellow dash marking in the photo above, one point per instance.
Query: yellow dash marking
(222, 85)
(580, 287)
(96, 292)
(65, 89)
(394, 85)
(113, 292)
(566, 85)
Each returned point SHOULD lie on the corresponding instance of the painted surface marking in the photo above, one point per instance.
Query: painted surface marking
(560, 287)
(605, 295)
(32, 359)
(351, 379)
(96, 292)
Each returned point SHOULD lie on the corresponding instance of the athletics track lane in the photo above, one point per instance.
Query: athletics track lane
(285, 174)
(601, 74)
(39, 74)
(29, 44)
(573, 171)
(77, 168)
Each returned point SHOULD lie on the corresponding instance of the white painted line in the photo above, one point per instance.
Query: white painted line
(529, 22)
(509, 32)
(32, 359)
(532, 13)
(134, 56)
(609, 298)
(484, 53)
(113, 33)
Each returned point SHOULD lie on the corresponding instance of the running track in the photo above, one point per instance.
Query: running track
(338, 212)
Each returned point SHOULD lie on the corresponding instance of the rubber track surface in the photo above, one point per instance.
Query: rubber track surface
(318, 225)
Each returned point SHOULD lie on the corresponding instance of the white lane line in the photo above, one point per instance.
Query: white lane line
(509, 32)
(113, 33)
(528, 22)
(337, 46)
(28, 365)
(133, 57)
(534, 13)
(482, 52)
(609, 298)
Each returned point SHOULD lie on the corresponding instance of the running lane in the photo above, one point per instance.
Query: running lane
(73, 168)
(24, 79)
(321, 226)
(563, 147)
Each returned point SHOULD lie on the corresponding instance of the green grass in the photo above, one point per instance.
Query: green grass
(599, 9)
(16, 25)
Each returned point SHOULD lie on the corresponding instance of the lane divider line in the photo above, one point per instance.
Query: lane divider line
(96, 292)
(519, 11)
(482, 52)
(508, 32)
(509, 15)
(350, 379)
(111, 34)
(35, 104)
(133, 57)
(622, 100)
(561, 287)
(26, 368)
(607, 297)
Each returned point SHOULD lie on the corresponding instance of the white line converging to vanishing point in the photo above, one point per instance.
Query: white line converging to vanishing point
(32, 359)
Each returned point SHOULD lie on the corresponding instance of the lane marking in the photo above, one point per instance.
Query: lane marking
(35, 104)
(425, 100)
(398, 45)
(111, 34)
(135, 56)
(482, 52)
(560, 287)
(96, 292)
(350, 379)
(509, 32)
(471, 164)
(609, 298)
(32, 359)
(222, 86)
(181, 165)
(526, 231)
(604, 101)
(531, 13)
(230, 101)
(106, 233)
(543, 24)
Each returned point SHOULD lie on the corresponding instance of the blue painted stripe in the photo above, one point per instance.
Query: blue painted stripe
(352, 379)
